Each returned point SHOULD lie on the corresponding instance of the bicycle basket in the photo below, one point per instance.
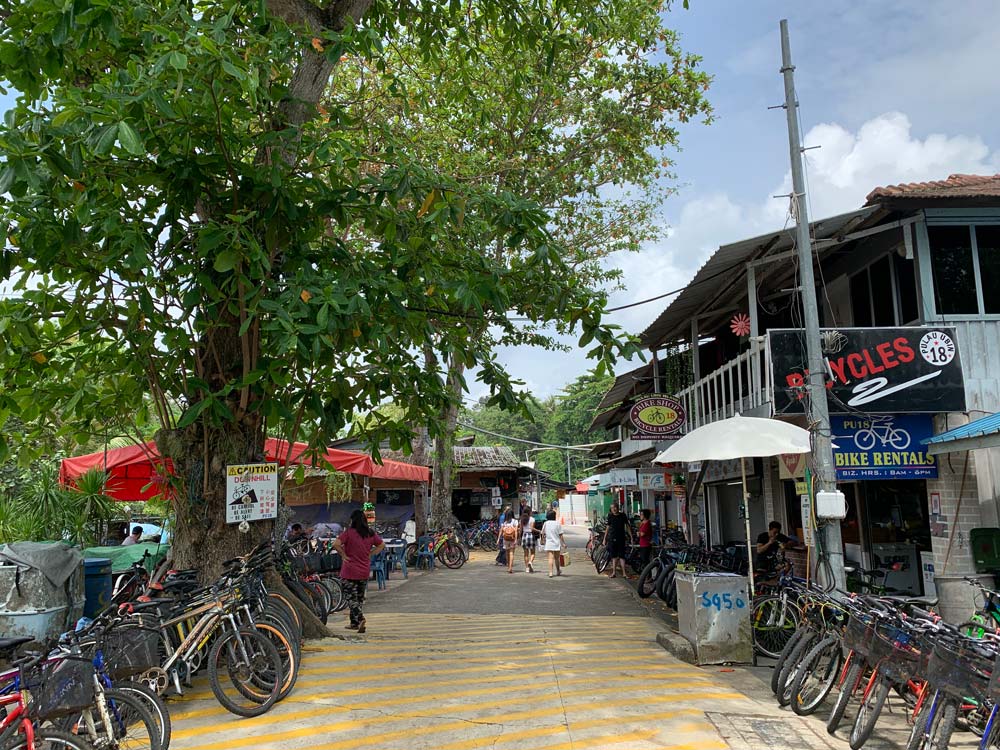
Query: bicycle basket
(897, 650)
(60, 688)
(959, 670)
(130, 650)
(857, 636)
(994, 686)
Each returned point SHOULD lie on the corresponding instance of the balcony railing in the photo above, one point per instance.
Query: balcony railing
(737, 387)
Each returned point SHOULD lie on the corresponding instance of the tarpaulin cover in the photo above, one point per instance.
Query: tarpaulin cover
(123, 557)
(136, 471)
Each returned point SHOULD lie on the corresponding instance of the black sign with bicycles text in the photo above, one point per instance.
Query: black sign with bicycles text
(872, 370)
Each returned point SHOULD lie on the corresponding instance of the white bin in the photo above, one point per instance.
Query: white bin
(713, 613)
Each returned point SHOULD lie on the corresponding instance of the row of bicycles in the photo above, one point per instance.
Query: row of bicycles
(859, 654)
(102, 686)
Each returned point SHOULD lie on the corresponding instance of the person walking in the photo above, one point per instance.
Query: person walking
(552, 537)
(615, 538)
(502, 553)
(528, 540)
(510, 531)
(645, 537)
(357, 546)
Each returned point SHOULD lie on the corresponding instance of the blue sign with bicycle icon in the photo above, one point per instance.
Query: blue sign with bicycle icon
(882, 446)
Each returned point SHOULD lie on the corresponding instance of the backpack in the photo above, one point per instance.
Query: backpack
(509, 532)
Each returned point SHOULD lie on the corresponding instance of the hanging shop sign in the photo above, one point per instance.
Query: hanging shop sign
(251, 492)
(882, 446)
(657, 417)
(792, 465)
(885, 370)
(624, 478)
(722, 471)
(653, 480)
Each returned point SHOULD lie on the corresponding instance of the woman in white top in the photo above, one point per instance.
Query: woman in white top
(552, 537)
(510, 532)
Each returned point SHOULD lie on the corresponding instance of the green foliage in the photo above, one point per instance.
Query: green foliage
(196, 241)
(40, 509)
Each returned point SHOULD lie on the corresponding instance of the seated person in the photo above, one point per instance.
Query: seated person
(770, 545)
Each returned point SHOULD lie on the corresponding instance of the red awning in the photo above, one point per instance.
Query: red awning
(137, 472)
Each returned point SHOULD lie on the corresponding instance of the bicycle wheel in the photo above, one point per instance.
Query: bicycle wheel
(289, 660)
(868, 713)
(943, 726)
(646, 585)
(241, 660)
(154, 704)
(336, 594)
(773, 622)
(920, 731)
(132, 725)
(49, 739)
(797, 636)
(793, 664)
(451, 555)
(846, 691)
(277, 600)
(817, 676)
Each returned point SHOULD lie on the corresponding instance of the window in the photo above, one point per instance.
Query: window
(906, 289)
(861, 308)
(988, 245)
(954, 272)
(880, 281)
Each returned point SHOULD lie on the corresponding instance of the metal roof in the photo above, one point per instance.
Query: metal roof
(639, 380)
(721, 281)
(603, 420)
(485, 458)
(980, 433)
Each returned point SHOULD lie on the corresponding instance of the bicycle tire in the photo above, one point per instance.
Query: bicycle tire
(285, 605)
(943, 726)
(452, 555)
(844, 697)
(320, 599)
(263, 659)
(918, 732)
(790, 669)
(797, 636)
(337, 593)
(828, 648)
(289, 658)
(645, 587)
(50, 739)
(130, 718)
(770, 640)
(155, 705)
(869, 711)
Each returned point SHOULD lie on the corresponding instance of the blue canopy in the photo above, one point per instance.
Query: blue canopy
(980, 433)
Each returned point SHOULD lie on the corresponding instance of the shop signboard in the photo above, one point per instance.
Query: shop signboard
(792, 465)
(624, 478)
(657, 417)
(653, 480)
(882, 446)
(251, 492)
(885, 370)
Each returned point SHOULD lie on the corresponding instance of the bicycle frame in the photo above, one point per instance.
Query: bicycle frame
(16, 719)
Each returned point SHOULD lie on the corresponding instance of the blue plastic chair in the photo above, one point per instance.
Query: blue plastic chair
(378, 569)
(424, 553)
(396, 555)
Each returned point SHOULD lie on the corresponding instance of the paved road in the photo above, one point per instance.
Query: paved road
(477, 658)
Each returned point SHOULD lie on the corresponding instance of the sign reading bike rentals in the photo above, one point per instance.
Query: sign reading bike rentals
(657, 417)
(251, 492)
(882, 446)
(888, 370)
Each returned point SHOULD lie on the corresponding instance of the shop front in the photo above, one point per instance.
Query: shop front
(725, 507)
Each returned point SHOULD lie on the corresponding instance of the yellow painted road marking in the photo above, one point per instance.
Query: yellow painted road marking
(605, 741)
(509, 716)
(573, 726)
(546, 683)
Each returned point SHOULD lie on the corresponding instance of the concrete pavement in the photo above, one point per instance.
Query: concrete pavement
(477, 658)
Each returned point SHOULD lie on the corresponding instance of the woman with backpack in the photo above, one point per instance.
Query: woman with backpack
(509, 532)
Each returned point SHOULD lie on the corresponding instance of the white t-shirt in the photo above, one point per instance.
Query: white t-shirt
(551, 531)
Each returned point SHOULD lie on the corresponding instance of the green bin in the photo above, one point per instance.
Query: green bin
(985, 549)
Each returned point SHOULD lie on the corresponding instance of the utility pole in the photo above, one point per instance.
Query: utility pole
(819, 413)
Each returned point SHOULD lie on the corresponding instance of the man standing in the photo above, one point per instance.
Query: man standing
(615, 538)
(769, 545)
(133, 538)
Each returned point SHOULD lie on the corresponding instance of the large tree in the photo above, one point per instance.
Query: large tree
(583, 128)
(198, 236)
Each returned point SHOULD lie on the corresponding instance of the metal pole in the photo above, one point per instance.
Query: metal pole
(746, 519)
(819, 415)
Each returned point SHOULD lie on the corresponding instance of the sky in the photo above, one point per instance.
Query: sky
(893, 91)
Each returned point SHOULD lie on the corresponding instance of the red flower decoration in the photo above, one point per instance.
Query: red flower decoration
(740, 325)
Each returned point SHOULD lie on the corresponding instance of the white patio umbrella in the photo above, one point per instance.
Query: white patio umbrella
(738, 437)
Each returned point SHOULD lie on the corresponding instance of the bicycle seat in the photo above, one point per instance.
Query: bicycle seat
(9, 644)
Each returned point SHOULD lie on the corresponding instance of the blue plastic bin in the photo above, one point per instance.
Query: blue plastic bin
(97, 585)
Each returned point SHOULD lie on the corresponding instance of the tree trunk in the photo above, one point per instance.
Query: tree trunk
(420, 495)
(443, 459)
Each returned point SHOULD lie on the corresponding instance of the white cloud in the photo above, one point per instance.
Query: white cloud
(882, 151)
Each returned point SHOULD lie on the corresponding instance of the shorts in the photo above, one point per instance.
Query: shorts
(618, 547)
(509, 543)
(529, 542)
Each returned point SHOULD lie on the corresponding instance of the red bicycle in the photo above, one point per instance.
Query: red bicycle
(17, 731)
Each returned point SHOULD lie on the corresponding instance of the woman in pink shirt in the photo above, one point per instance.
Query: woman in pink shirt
(357, 545)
